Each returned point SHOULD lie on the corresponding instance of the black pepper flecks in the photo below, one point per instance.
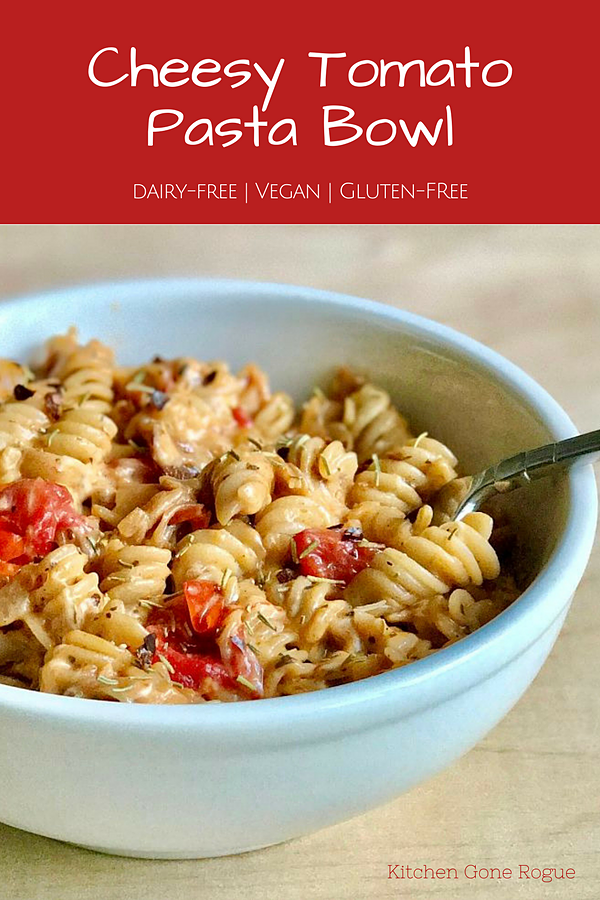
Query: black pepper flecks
(286, 574)
(21, 392)
(53, 404)
(145, 653)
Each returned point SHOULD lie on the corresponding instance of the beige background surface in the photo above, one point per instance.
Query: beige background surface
(529, 793)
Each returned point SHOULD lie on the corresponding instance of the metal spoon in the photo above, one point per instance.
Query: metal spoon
(465, 495)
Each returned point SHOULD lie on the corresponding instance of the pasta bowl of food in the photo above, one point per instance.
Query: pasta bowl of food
(232, 610)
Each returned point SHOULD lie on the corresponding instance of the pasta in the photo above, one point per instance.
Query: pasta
(176, 533)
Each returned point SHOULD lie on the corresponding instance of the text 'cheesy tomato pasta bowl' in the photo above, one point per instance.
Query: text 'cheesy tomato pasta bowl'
(232, 607)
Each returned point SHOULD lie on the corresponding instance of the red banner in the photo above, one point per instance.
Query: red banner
(131, 112)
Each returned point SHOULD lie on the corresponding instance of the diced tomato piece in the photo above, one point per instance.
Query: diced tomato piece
(331, 554)
(11, 545)
(241, 663)
(172, 623)
(8, 570)
(193, 654)
(194, 663)
(195, 515)
(38, 511)
(243, 418)
(194, 670)
(205, 604)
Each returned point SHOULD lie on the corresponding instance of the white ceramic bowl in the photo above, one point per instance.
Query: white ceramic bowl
(215, 779)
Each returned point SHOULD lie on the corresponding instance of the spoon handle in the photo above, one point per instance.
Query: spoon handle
(528, 466)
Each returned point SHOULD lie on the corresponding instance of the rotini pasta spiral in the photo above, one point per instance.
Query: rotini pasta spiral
(394, 486)
(273, 418)
(322, 621)
(152, 522)
(11, 375)
(393, 645)
(20, 423)
(71, 451)
(241, 485)
(430, 562)
(373, 423)
(366, 422)
(82, 434)
(287, 516)
(414, 473)
(132, 574)
(318, 469)
(270, 633)
(51, 597)
(216, 554)
(86, 665)
(21, 655)
(115, 622)
(458, 552)
(87, 378)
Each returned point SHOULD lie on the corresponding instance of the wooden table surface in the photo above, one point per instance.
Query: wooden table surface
(529, 793)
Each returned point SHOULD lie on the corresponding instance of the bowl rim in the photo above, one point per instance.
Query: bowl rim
(563, 568)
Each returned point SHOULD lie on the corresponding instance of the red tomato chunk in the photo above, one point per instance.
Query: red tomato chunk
(172, 624)
(193, 660)
(8, 570)
(243, 418)
(242, 664)
(11, 545)
(186, 632)
(195, 515)
(329, 554)
(194, 670)
(205, 603)
(37, 511)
